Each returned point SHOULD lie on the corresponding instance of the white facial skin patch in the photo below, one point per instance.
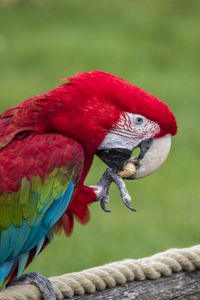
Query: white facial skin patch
(129, 132)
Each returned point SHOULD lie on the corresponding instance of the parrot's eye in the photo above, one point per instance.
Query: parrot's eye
(138, 120)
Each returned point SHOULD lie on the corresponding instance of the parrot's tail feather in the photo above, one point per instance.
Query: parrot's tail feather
(12, 270)
(6, 271)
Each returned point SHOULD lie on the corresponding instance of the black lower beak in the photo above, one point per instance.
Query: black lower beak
(115, 158)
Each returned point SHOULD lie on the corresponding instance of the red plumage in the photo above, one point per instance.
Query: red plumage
(85, 108)
(40, 152)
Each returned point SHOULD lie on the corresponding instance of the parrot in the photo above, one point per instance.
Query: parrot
(47, 146)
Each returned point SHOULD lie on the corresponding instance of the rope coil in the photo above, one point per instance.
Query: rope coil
(111, 275)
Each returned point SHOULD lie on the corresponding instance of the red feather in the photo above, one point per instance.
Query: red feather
(84, 108)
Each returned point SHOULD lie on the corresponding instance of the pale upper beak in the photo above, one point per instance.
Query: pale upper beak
(154, 157)
(153, 153)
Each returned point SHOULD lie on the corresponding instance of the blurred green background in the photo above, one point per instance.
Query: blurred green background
(154, 44)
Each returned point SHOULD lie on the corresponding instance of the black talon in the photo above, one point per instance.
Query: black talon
(103, 206)
(127, 203)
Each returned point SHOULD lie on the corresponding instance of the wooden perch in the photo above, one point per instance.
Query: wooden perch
(180, 286)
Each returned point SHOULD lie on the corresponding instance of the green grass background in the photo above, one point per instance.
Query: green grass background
(154, 44)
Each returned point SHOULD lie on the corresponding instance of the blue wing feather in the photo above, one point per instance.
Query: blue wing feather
(16, 242)
(5, 268)
(56, 210)
(32, 203)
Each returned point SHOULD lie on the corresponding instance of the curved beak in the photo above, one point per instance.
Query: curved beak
(154, 157)
(153, 153)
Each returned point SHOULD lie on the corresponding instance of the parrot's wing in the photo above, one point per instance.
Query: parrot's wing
(8, 129)
(18, 120)
(38, 175)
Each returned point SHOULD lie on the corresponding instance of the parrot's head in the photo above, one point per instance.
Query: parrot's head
(111, 118)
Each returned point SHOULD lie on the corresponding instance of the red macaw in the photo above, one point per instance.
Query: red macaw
(47, 145)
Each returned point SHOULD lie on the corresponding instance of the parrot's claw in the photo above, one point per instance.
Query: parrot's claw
(126, 198)
(108, 177)
(43, 283)
(103, 205)
(104, 199)
(127, 203)
(101, 190)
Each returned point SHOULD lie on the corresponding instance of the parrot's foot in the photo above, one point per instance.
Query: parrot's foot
(103, 186)
(43, 283)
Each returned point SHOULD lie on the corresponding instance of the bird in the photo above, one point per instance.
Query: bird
(47, 146)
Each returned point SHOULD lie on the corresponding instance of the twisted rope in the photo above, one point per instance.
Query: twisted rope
(110, 275)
